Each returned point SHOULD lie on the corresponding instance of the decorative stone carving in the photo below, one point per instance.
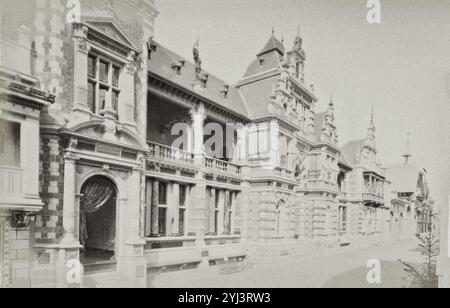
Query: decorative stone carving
(80, 37)
(131, 65)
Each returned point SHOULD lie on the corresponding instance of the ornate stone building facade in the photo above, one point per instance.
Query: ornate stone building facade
(131, 182)
(21, 102)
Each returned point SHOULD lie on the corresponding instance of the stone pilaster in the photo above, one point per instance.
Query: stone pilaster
(198, 117)
(154, 209)
(81, 52)
(127, 98)
(71, 202)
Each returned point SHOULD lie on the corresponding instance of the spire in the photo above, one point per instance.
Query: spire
(407, 153)
(329, 133)
(330, 111)
(372, 123)
(370, 141)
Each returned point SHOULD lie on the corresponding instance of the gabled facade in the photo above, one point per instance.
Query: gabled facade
(366, 187)
(413, 207)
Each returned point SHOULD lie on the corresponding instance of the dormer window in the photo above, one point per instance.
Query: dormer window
(103, 84)
(178, 66)
(225, 91)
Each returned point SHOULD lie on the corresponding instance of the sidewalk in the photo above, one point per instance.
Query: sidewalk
(308, 272)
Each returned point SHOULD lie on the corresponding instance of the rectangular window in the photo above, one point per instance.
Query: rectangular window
(181, 222)
(115, 101)
(162, 193)
(104, 71)
(162, 221)
(9, 144)
(228, 213)
(182, 198)
(92, 69)
(216, 213)
(103, 84)
(342, 218)
(115, 76)
(102, 97)
(91, 96)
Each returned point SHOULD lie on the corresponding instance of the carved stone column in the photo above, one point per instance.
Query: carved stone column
(198, 120)
(70, 216)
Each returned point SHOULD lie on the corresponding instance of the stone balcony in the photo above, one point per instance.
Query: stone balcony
(163, 153)
(11, 183)
(13, 194)
(172, 156)
(222, 166)
(371, 197)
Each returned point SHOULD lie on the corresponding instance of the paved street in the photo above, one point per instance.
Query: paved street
(346, 268)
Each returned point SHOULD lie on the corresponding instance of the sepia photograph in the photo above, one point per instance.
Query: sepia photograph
(204, 147)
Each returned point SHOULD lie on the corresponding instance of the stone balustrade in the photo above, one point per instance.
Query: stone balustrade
(166, 153)
(222, 166)
(11, 182)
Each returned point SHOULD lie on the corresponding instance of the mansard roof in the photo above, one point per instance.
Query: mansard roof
(352, 150)
(257, 95)
(163, 63)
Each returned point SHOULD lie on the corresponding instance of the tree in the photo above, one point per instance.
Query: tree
(425, 276)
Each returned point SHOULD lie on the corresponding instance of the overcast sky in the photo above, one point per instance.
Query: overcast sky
(401, 66)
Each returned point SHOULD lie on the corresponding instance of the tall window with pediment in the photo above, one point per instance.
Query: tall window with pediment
(103, 84)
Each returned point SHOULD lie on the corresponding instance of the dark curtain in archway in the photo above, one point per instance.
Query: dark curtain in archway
(96, 192)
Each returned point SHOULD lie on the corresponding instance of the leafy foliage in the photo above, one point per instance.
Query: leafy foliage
(425, 275)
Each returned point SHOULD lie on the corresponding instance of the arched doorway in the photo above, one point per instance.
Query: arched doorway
(98, 219)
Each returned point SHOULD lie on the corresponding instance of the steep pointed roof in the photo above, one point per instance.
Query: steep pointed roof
(405, 178)
(272, 45)
(352, 150)
(269, 58)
